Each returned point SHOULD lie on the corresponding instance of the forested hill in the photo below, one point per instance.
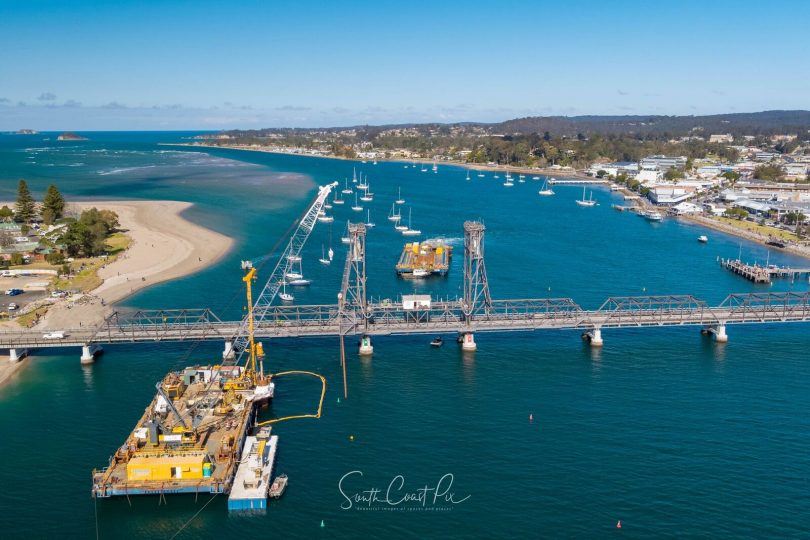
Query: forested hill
(758, 123)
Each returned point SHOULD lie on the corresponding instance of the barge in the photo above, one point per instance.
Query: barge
(428, 257)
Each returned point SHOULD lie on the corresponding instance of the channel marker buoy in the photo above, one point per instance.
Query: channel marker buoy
(531, 417)
(619, 524)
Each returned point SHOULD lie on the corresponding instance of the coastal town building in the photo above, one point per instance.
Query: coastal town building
(663, 163)
(721, 138)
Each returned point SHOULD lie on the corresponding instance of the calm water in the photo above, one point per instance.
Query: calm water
(662, 429)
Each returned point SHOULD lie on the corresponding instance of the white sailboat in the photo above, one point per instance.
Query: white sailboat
(393, 215)
(468, 176)
(354, 175)
(356, 207)
(408, 231)
(346, 239)
(368, 196)
(331, 254)
(480, 175)
(423, 169)
(336, 199)
(347, 190)
(363, 182)
(509, 182)
(327, 206)
(370, 224)
(323, 260)
(399, 200)
(435, 168)
(284, 295)
(326, 219)
(546, 191)
(586, 202)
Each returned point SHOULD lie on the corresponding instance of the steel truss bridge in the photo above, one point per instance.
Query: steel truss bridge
(356, 315)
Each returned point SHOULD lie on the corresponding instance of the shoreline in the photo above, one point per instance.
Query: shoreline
(751, 236)
(164, 246)
(567, 173)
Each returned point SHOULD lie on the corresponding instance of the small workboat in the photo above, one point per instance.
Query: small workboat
(654, 216)
(420, 273)
(278, 486)
(703, 238)
(437, 342)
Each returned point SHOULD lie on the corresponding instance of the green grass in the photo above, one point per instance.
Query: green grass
(761, 229)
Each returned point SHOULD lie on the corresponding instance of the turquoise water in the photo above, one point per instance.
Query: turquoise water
(663, 429)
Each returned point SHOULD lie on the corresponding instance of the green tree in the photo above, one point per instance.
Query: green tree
(601, 173)
(674, 174)
(769, 172)
(25, 207)
(17, 259)
(6, 212)
(53, 205)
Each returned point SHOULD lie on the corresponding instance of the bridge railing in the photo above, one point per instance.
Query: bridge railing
(770, 306)
(653, 311)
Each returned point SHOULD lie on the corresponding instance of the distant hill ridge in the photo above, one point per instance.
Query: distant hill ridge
(755, 123)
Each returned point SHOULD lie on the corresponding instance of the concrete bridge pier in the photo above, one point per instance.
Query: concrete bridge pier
(15, 355)
(228, 353)
(594, 337)
(366, 348)
(89, 353)
(468, 342)
(719, 332)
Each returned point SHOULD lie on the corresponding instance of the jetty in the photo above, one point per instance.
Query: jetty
(763, 274)
(577, 181)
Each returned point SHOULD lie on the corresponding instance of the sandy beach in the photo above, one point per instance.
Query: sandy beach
(164, 246)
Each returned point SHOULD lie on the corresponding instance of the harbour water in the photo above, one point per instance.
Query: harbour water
(663, 429)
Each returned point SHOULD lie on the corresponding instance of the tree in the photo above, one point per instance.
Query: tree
(25, 207)
(601, 173)
(769, 172)
(17, 259)
(87, 236)
(738, 213)
(6, 212)
(674, 174)
(53, 205)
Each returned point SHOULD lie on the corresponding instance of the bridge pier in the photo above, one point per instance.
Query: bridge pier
(719, 332)
(468, 342)
(594, 337)
(228, 353)
(89, 353)
(366, 348)
(15, 355)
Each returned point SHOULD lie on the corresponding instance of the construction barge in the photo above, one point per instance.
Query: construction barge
(190, 437)
(422, 259)
(194, 433)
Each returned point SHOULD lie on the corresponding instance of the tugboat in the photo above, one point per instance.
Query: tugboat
(278, 486)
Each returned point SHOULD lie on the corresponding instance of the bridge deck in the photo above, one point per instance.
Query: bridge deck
(442, 317)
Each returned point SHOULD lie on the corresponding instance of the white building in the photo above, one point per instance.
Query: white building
(721, 138)
(663, 163)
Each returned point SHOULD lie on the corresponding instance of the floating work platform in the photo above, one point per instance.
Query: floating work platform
(432, 256)
(190, 437)
(255, 473)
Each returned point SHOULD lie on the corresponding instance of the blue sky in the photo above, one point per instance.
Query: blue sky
(207, 65)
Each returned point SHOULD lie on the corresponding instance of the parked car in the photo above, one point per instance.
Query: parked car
(55, 334)
(58, 294)
(12, 306)
(14, 292)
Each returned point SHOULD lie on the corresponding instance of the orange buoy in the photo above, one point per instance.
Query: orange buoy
(619, 524)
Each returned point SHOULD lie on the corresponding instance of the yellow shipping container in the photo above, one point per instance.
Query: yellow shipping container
(180, 467)
(439, 250)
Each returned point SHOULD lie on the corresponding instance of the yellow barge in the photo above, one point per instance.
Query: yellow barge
(190, 437)
(420, 259)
